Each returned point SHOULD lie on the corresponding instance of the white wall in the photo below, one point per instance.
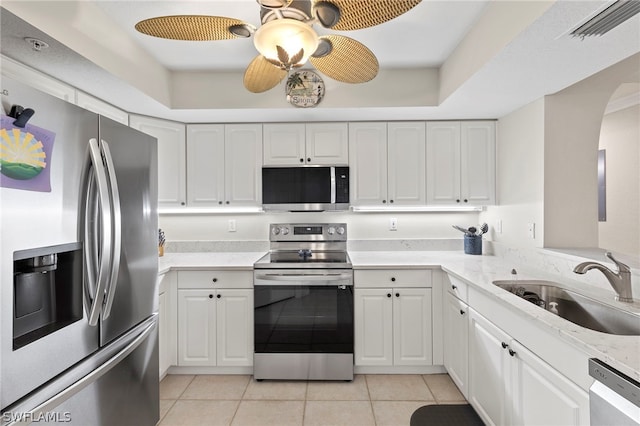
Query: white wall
(573, 119)
(620, 137)
(520, 177)
(361, 226)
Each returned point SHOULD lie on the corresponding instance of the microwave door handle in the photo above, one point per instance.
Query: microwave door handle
(105, 231)
(333, 185)
(116, 229)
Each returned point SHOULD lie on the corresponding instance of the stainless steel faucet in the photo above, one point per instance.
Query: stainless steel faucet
(620, 281)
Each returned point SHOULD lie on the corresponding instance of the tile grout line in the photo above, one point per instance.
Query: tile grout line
(373, 412)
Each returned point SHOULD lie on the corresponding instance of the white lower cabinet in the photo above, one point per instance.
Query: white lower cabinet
(166, 322)
(215, 327)
(393, 326)
(508, 384)
(215, 318)
(456, 341)
(543, 396)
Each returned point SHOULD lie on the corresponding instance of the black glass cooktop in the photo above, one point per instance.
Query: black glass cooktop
(308, 257)
(293, 258)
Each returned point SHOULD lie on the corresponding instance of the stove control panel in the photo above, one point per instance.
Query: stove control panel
(308, 232)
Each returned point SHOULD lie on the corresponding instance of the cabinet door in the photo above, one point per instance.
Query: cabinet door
(368, 163)
(205, 165)
(489, 387)
(172, 188)
(196, 328)
(243, 164)
(478, 156)
(234, 322)
(406, 163)
(456, 343)
(443, 163)
(327, 143)
(373, 316)
(284, 144)
(412, 327)
(543, 396)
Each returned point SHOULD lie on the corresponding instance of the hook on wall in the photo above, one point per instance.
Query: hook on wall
(21, 115)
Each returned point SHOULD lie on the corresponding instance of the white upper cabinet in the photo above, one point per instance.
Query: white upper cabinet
(172, 185)
(243, 165)
(368, 163)
(387, 163)
(478, 162)
(284, 144)
(406, 163)
(222, 166)
(327, 143)
(287, 144)
(205, 165)
(461, 163)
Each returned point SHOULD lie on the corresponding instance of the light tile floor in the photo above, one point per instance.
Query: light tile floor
(372, 399)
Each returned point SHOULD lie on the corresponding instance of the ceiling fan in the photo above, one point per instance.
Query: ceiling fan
(286, 39)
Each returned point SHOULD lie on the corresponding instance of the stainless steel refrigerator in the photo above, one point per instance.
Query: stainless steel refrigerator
(78, 307)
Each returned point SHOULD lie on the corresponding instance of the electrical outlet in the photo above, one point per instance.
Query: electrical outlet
(531, 230)
(231, 227)
(393, 224)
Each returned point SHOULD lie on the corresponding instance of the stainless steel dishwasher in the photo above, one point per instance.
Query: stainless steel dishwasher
(614, 398)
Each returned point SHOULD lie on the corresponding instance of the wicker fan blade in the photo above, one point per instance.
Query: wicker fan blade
(348, 61)
(358, 14)
(195, 27)
(261, 75)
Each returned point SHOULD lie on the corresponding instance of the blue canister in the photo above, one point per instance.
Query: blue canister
(473, 244)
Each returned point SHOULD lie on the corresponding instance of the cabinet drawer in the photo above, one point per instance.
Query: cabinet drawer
(457, 288)
(215, 279)
(392, 278)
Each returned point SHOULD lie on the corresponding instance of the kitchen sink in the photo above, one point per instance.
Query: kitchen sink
(581, 310)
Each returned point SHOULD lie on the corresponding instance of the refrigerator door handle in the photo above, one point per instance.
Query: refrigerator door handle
(106, 234)
(116, 217)
(51, 403)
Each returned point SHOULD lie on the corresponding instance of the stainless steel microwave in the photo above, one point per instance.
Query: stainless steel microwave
(315, 188)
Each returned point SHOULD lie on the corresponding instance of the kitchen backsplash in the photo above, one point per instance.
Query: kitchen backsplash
(441, 244)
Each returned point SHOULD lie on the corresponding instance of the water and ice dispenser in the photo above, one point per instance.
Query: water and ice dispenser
(47, 291)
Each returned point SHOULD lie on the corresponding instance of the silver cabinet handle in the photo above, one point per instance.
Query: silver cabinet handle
(116, 217)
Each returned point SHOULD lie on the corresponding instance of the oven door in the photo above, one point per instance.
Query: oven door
(303, 311)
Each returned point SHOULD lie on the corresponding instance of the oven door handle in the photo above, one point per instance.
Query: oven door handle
(298, 279)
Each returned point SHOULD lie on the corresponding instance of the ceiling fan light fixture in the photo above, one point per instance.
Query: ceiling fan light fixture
(289, 34)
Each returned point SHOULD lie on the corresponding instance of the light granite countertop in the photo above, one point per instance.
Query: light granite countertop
(621, 352)
(209, 260)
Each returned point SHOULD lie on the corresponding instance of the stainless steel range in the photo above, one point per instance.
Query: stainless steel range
(303, 304)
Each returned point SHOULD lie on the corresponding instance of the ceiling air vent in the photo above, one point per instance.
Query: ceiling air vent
(608, 19)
